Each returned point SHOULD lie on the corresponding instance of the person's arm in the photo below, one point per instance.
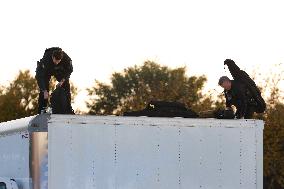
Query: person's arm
(40, 77)
(68, 67)
(242, 101)
(228, 102)
(41, 70)
(41, 74)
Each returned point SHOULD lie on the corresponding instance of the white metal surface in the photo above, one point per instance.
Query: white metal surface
(12, 127)
(14, 157)
(16, 150)
(91, 152)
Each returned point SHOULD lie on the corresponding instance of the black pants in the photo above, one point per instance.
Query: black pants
(249, 112)
(42, 103)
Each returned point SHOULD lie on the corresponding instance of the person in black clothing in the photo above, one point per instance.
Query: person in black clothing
(55, 62)
(237, 94)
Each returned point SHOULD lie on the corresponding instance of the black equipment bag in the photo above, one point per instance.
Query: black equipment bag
(59, 102)
(164, 109)
(241, 76)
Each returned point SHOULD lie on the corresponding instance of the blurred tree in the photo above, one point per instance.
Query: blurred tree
(274, 129)
(20, 98)
(1, 90)
(274, 147)
(136, 86)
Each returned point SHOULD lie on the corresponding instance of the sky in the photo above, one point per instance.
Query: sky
(107, 36)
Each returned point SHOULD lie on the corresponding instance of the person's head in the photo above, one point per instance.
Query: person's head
(57, 56)
(225, 82)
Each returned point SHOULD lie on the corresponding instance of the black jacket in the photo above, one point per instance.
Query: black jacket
(238, 96)
(46, 68)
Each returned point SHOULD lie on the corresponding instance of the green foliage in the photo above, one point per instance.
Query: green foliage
(274, 146)
(20, 98)
(274, 129)
(136, 86)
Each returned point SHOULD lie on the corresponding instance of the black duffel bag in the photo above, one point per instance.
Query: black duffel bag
(59, 101)
(164, 109)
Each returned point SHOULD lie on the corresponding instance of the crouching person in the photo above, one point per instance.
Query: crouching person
(237, 94)
(57, 63)
(242, 92)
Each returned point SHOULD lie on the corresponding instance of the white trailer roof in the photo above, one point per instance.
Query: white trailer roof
(15, 126)
(153, 121)
(40, 122)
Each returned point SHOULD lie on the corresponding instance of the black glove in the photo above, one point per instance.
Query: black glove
(228, 61)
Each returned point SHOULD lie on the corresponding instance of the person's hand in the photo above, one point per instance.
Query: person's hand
(60, 83)
(45, 94)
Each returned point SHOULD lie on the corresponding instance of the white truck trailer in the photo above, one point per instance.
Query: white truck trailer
(110, 152)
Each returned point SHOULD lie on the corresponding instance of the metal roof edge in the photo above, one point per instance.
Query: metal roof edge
(158, 121)
(15, 126)
(39, 123)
